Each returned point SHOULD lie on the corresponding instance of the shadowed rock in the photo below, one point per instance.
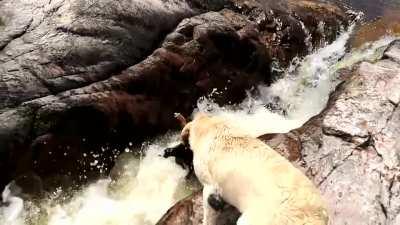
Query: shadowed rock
(190, 212)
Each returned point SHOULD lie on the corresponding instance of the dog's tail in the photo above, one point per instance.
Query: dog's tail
(182, 120)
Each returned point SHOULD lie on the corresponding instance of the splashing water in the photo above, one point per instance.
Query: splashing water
(307, 40)
(147, 187)
(143, 192)
(302, 93)
(148, 194)
(14, 207)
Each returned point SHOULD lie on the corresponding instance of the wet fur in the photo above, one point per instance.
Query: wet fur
(264, 186)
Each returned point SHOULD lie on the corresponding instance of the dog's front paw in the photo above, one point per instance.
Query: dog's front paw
(216, 202)
(183, 156)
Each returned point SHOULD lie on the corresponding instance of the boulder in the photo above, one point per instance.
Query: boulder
(352, 151)
(293, 28)
(49, 47)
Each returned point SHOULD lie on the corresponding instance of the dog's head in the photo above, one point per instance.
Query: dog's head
(187, 126)
(198, 128)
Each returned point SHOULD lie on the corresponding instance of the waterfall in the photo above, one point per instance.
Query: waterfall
(301, 93)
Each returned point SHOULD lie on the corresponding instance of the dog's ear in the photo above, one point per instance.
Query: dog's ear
(185, 134)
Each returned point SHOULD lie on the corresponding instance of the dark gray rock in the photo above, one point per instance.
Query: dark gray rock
(50, 134)
(48, 47)
(51, 46)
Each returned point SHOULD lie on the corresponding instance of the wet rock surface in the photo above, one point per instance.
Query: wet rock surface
(81, 79)
(351, 150)
(356, 160)
(48, 47)
(51, 46)
(293, 28)
(190, 212)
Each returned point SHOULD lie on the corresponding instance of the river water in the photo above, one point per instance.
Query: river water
(147, 186)
(382, 17)
(372, 8)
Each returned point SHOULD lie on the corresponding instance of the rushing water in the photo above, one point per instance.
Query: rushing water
(145, 189)
(302, 93)
(147, 186)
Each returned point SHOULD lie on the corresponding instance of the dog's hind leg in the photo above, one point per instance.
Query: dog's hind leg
(210, 214)
(216, 202)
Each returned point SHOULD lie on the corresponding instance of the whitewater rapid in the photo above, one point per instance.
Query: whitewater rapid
(147, 186)
(144, 190)
(301, 93)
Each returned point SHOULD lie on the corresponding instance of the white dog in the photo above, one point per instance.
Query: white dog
(265, 187)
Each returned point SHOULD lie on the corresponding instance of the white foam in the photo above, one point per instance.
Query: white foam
(143, 193)
(302, 92)
(11, 214)
(148, 192)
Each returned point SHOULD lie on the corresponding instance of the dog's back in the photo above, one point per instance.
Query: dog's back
(251, 176)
